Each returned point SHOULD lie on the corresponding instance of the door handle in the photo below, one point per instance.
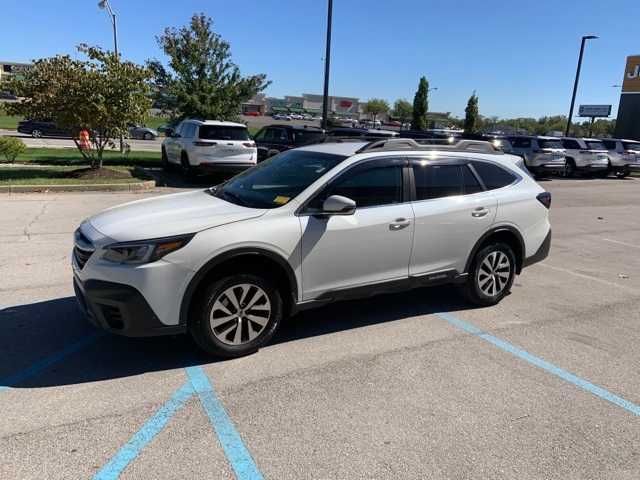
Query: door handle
(399, 224)
(480, 212)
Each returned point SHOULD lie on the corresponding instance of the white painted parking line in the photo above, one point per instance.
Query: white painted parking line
(621, 243)
(589, 277)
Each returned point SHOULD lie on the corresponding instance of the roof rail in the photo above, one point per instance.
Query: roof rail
(478, 146)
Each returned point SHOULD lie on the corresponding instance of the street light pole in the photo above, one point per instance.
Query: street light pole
(327, 67)
(575, 84)
(104, 4)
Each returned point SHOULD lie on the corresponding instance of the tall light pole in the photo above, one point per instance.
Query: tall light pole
(575, 84)
(327, 68)
(105, 5)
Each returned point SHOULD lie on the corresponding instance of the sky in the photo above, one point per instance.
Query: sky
(519, 56)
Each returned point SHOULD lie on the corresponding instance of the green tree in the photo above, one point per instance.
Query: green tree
(201, 81)
(421, 105)
(471, 115)
(403, 111)
(102, 95)
(11, 147)
(375, 107)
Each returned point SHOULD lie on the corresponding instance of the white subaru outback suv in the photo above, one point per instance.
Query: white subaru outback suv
(309, 226)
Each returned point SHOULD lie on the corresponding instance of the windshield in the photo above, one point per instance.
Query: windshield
(217, 132)
(595, 145)
(549, 143)
(276, 181)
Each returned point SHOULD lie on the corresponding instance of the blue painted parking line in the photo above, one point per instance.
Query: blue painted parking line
(145, 435)
(232, 444)
(43, 364)
(543, 364)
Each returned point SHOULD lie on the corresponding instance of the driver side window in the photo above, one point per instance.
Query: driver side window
(368, 186)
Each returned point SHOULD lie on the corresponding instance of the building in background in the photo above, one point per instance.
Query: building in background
(628, 123)
(311, 104)
(8, 69)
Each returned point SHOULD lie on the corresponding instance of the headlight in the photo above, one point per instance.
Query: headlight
(145, 251)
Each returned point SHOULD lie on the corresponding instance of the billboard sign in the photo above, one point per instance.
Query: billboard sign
(631, 81)
(594, 110)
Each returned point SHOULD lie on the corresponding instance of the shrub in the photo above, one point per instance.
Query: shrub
(11, 147)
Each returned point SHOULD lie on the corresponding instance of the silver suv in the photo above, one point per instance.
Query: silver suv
(624, 156)
(306, 227)
(542, 155)
(197, 146)
(586, 155)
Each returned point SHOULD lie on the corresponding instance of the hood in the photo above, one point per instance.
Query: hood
(169, 215)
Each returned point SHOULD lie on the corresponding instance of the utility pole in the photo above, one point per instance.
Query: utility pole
(327, 68)
(575, 84)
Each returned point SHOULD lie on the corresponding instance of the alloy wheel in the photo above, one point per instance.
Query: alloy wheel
(240, 314)
(494, 273)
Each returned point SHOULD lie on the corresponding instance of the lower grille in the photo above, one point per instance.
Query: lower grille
(82, 250)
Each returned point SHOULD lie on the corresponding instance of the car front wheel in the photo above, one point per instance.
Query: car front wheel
(491, 275)
(236, 315)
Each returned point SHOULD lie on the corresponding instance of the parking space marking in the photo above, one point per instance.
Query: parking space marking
(589, 277)
(43, 364)
(229, 438)
(543, 364)
(145, 435)
(621, 243)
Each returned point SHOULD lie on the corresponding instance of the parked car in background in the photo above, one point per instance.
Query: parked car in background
(274, 139)
(141, 132)
(7, 96)
(585, 155)
(252, 114)
(361, 133)
(39, 129)
(209, 146)
(317, 224)
(281, 116)
(542, 155)
(624, 156)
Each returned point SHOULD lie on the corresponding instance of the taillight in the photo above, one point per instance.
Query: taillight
(249, 144)
(545, 199)
(205, 144)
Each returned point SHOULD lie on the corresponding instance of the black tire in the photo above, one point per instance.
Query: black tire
(187, 169)
(622, 173)
(570, 168)
(148, 136)
(166, 165)
(473, 288)
(200, 325)
(36, 133)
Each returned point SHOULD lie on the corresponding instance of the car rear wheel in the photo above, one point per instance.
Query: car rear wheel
(236, 315)
(187, 169)
(623, 172)
(36, 133)
(147, 136)
(570, 168)
(491, 275)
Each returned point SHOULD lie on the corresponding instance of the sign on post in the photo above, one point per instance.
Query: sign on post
(594, 111)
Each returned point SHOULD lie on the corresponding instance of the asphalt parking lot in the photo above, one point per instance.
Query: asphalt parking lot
(412, 386)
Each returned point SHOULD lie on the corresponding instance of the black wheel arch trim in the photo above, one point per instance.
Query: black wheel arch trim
(195, 282)
(493, 231)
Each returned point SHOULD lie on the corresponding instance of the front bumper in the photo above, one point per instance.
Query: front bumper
(120, 309)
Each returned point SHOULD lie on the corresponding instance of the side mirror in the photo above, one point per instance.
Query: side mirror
(339, 205)
(169, 132)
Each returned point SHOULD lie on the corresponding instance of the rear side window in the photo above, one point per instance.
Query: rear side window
(438, 181)
(521, 142)
(595, 145)
(571, 144)
(610, 144)
(304, 137)
(549, 143)
(220, 132)
(493, 176)
(631, 146)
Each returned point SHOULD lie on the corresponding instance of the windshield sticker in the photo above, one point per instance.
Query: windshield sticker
(280, 200)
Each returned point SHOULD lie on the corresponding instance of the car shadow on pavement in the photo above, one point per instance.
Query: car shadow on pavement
(31, 335)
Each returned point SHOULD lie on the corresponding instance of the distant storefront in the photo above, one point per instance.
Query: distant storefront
(9, 69)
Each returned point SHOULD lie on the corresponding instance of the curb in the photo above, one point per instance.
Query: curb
(104, 187)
